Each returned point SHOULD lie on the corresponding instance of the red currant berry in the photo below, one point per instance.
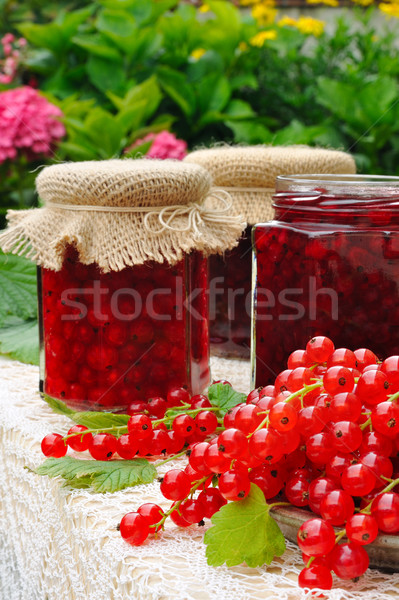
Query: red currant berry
(362, 529)
(385, 510)
(312, 420)
(316, 537)
(358, 480)
(211, 500)
(157, 406)
(364, 357)
(175, 485)
(297, 491)
(319, 488)
(385, 419)
(265, 445)
(281, 383)
(134, 528)
(103, 446)
(54, 445)
(177, 518)
(372, 387)
(346, 436)
(336, 507)
(337, 380)
(126, 446)
(349, 561)
(232, 443)
(319, 349)
(177, 396)
(206, 422)
(192, 511)
(283, 417)
(390, 367)
(376, 442)
(319, 447)
(152, 513)
(248, 418)
(197, 458)
(298, 358)
(342, 357)
(345, 407)
(215, 461)
(80, 443)
(140, 426)
(183, 425)
(298, 378)
(234, 484)
(315, 576)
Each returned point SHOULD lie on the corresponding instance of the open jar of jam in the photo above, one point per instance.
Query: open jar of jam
(122, 249)
(248, 174)
(328, 264)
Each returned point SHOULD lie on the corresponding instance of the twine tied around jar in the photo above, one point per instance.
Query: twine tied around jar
(195, 212)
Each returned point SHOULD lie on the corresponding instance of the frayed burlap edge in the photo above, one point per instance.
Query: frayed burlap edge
(117, 241)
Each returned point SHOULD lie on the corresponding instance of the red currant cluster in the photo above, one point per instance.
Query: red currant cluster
(324, 436)
(148, 432)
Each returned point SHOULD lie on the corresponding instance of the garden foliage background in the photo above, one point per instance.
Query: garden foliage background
(86, 80)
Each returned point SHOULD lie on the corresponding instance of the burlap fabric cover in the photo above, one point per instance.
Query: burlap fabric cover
(115, 239)
(257, 167)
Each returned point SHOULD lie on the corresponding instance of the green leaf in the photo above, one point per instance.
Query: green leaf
(101, 476)
(90, 419)
(178, 89)
(105, 74)
(97, 44)
(21, 341)
(224, 397)
(104, 131)
(100, 420)
(58, 406)
(139, 150)
(18, 293)
(244, 531)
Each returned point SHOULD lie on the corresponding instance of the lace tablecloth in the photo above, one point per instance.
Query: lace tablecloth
(62, 544)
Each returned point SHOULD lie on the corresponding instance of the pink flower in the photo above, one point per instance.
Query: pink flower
(29, 124)
(164, 145)
(8, 38)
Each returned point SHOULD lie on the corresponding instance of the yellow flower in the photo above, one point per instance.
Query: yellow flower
(197, 53)
(390, 8)
(287, 22)
(204, 8)
(363, 2)
(264, 13)
(243, 46)
(248, 2)
(259, 39)
(310, 26)
(327, 2)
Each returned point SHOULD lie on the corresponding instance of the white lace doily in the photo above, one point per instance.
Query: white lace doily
(62, 544)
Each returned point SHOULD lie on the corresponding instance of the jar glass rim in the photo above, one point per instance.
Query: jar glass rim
(339, 179)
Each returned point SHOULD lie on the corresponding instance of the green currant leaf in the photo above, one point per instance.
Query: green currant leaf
(102, 476)
(101, 420)
(224, 397)
(18, 294)
(20, 340)
(244, 531)
(90, 419)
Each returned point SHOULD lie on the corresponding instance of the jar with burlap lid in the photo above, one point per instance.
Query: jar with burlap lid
(248, 174)
(122, 248)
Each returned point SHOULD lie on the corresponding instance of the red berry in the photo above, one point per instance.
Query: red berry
(342, 357)
(80, 443)
(385, 418)
(211, 500)
(319, 448)
(152, 513)
(232, 443)
(312, 420)
(178, 519)
(385, 510)
(345, 407)
(315, 576)
(298, 358)
(297, 491)
(362, 529)
(103, 446)
(126, 446)
(337, 380)
(372, 387)
(192, 511)
(215, 461)
(54, 445)
(206, 422)
(177, 396)
(336, 507)
(134, 528)
(283, 417)
(316, 537)
(157, 406)
(364, 357)
(346, 436)
(247, 418)
(175, 485)
(358, 480)
(349, 561)
(390, 367)
(197, 458)
(265, 445)
(317, 490)
(234, 484)
(140, 426)
(319, 349)
(183, 425)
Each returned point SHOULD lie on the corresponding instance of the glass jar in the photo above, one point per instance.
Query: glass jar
(108, 339)
(328, 264)
(230, 300)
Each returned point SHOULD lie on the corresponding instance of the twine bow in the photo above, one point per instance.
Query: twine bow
(197, 214)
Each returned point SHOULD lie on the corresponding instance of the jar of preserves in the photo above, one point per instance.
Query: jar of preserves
(248, 174)
(328, 264)
(122, 248)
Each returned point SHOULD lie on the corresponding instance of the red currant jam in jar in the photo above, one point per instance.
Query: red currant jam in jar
(328, 264)
(109, 339)
(230, 300)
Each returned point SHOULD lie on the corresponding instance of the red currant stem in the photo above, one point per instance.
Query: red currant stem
(311, 559)
(277, 504)
(115, 428)
(168, 418)
(366, 424)
(388, 479)
(340, 535)
(177, 505)
(394, 397)
(393, 483)
(172, 457)
(314, 366)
